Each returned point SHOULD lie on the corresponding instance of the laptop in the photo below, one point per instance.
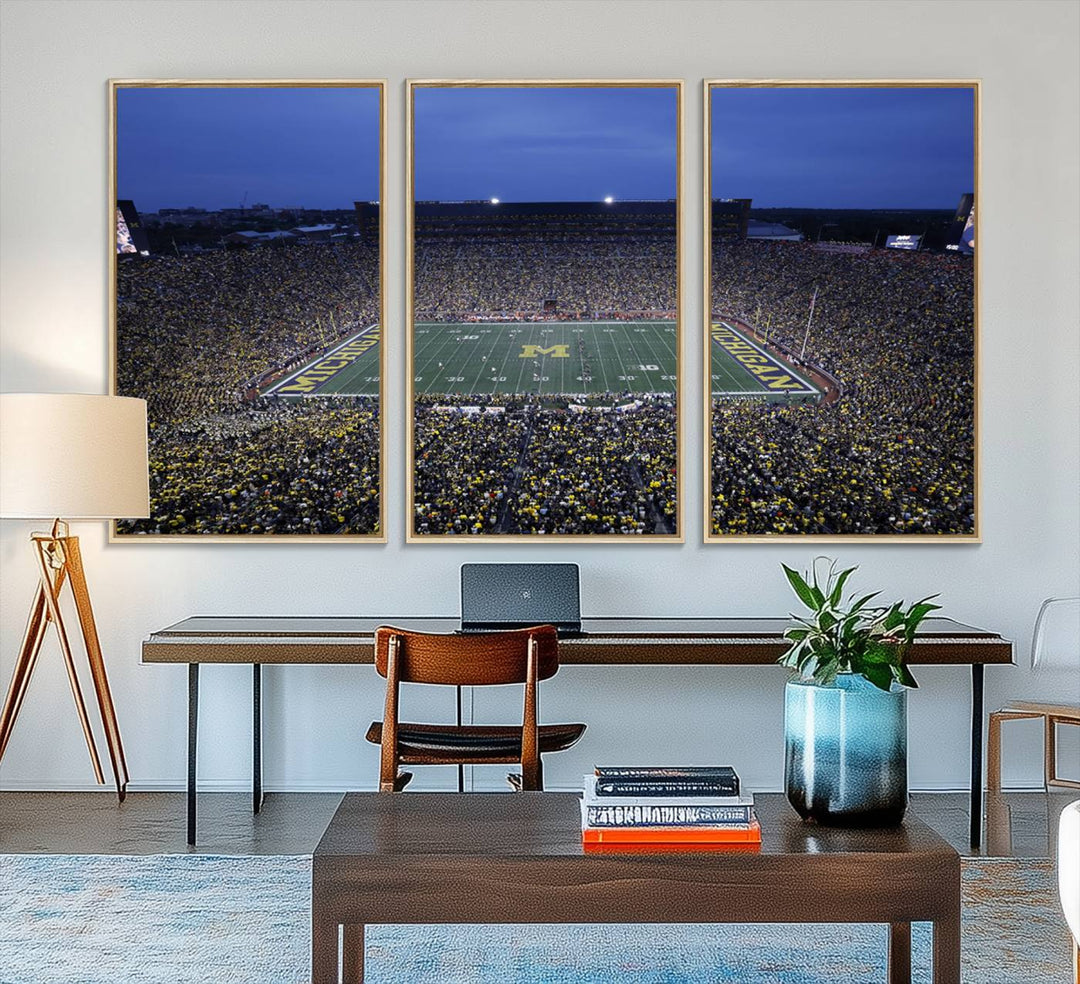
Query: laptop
(496, 597)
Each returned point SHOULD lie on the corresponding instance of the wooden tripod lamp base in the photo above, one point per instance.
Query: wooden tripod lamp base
(85, 457)
(59, 561)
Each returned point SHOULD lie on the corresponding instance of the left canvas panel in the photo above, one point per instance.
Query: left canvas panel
(247, 304)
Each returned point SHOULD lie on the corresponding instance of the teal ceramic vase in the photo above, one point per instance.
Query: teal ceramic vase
(846, 752)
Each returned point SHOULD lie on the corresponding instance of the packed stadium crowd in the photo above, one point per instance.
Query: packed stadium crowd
(586, 277)
(896, 453)
(509, 464)
(274, 467)
(199, 335)
(193, 332)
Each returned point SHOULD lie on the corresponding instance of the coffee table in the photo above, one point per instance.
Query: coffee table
(517, 858)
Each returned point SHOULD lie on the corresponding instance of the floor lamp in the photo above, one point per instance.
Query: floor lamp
(80, 457)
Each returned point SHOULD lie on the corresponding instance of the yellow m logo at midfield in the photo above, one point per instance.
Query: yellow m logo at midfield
(555, 351)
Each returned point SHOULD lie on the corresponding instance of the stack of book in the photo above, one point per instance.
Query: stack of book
(679, 806)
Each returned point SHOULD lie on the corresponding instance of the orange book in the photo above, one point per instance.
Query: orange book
(748, 834)
(638, 848)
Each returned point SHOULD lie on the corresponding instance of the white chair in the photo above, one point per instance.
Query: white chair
(1055, 645)
(1069, 875)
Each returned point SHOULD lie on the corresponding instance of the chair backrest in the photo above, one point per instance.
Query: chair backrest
(1055, 643)
(469, 660)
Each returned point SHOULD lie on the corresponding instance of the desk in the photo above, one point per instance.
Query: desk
(518, 858)
(605, 641)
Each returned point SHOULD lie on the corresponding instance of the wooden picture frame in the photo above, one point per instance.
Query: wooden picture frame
(943, 514)
(303, 335)
(488, 525)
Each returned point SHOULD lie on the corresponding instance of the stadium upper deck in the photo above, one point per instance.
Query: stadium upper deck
(494, 219)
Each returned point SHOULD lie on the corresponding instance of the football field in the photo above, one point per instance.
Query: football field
(741, 367)
(349, 369)
(545, 357)
(579, 357)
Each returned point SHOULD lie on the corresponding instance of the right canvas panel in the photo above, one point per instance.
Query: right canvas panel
(841, 300)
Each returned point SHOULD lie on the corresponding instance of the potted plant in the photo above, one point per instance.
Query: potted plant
(845, 714)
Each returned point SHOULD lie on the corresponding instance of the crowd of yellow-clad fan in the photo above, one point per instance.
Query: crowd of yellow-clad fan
(896, 453)
(589, 276)
(194, 334)
(534, 468)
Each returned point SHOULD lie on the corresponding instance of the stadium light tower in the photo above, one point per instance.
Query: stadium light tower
(494, 201)
(609, 199)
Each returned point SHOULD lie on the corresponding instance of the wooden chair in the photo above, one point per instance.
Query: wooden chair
(1055, 644)
(520, 656)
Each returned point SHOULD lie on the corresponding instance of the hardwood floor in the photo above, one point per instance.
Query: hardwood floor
(155, 823)
(1022, 824)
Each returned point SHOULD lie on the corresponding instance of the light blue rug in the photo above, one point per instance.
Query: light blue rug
(175, 919)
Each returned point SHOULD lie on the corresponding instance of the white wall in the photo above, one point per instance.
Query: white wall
(56, 57)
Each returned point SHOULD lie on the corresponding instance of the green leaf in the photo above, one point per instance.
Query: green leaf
(825, 674)
(893, 617)
(880, 676)
(877, 653)
(903, 675)
(862, 601)
(920, 610)
(838, 590)
(801, 588)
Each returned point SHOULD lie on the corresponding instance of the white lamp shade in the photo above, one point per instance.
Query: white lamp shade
(73, 456)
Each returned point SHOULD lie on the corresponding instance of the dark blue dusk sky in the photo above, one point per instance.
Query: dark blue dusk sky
(540, 143)
(843, 147)
(306, 146)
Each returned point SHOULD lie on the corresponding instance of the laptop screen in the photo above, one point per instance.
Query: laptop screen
(518, 595)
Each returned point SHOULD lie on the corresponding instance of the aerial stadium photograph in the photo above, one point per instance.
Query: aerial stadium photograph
(841, 297)
(544, 331)
(248, 304)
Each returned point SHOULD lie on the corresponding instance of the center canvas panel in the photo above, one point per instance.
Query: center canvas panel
(544, 310)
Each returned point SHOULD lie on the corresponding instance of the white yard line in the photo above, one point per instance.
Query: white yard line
(483, 362)
(432, 341)
(656, 359)
(502, 369)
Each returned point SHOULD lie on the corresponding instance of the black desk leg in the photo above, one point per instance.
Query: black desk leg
(976, 752)
(256, 738)
(192, 747)
(461, 767)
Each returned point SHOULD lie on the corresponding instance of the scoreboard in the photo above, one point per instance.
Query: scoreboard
(902, 242)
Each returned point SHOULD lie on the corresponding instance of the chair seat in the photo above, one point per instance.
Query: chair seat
(1034, 707)
(473, 743)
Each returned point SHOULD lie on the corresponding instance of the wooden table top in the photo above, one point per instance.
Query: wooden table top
(518, 858)
(607, 640)
(407, 826)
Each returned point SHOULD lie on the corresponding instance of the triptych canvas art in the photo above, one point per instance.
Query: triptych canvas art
(546, 258)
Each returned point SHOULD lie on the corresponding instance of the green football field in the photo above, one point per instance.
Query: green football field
(349, 369)
(550, 358)
(545, 357)
(742, 367)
